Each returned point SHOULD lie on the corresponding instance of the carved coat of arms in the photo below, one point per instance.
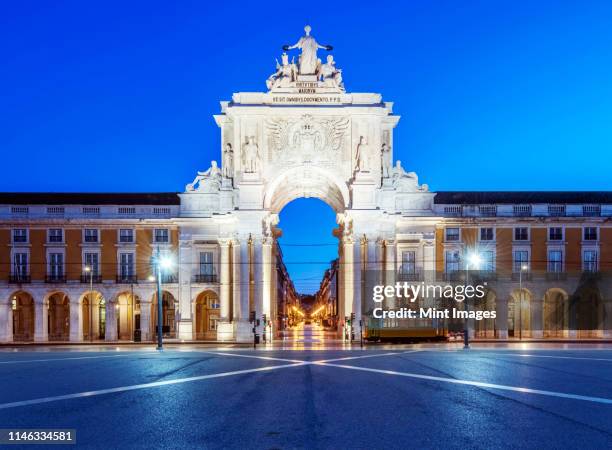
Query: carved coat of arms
(306, 138)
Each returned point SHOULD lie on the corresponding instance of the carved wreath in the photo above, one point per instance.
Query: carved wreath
(288, 135)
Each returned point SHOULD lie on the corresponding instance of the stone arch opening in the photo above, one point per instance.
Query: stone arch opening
(306, 297)
(22, 305)
(126, 311)
(486, 328)
(306, 181)
(93, 312)
(519, 313)
(58, 316)
(556, 313)
(169, 305)
(207, 313)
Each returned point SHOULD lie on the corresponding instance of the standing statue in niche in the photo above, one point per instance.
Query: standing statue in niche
(308, 58)
(387, 166)
(250, 155)
(361, 156)
(207, 181)
(228, 161)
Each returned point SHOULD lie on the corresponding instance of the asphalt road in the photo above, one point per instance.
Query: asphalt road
(397, 397)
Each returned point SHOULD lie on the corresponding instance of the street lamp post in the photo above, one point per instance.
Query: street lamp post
(160, 263)
(89, 270)
(524, 267)
(473, 259)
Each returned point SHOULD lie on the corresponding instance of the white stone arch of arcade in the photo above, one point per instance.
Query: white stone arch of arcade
(306, 182)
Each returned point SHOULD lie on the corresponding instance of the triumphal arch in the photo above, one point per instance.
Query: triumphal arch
(306, 136)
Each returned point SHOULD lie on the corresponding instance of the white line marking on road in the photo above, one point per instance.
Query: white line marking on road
(526, 355)
(64, 359)
(266, 358)
(364, 356)
(502, 387)
(133, 387)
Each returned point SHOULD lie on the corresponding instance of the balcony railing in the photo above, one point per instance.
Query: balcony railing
(483, 275)
(128, 279)
(527, 276)
(55, 279)
(88, 278)
(556, 276)
(416, 275)
(454, 275)
(169, 278)
(20, 278)
(205, 278)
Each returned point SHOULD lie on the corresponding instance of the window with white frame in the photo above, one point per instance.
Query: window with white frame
(452, 235)
(207, 265)
(90, 235)
(590, 233)
(126, 265)
(161, 236)
(521, 234)
(56, 235)
(408, 262)
(20, 264)
(92, 260)
(520, 259)
(487, 261)
(20, 235)
(487, 234)
(589, 260)
(56, 265)
(555, 234)
(126, 235)
(555, 261)
(452, 261)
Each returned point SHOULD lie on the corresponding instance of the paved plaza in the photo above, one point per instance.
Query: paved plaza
(314, 396)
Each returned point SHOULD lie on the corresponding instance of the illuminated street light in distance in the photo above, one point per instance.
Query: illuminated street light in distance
(166, 263)
(151, 278)
(87, 269)
(474, 260)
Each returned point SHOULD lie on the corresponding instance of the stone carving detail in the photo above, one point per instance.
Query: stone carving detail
(286, 73)
(330, 74)
(362, 154)
(207, 181)
(250, 155)
(228, 161)
(306, 138)
(406, 181)
(308, 61)
(269, 222)
(346, 223)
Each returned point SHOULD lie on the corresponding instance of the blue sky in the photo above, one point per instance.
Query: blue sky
(118, 96)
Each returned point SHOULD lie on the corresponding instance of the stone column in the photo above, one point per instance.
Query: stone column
(41, 324)
(390, 270)
(236, 288)
(268, 269)
(110, 333)
(501, 313)
(224, 327)
(6, 321)
(537, 320)
(258, 283)
(145, 320)
(429, 262)
(76, 320)
(185, 269)
(242, 328)
(348, 275)
(358, 280)
(224, 280)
